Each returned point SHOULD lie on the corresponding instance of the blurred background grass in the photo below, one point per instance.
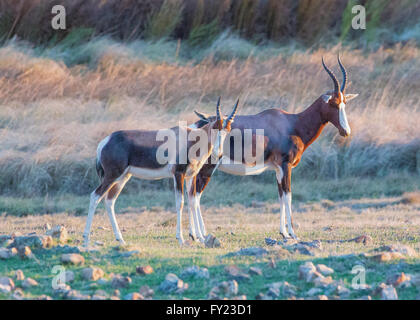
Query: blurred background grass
(199, 21)
(148, 64)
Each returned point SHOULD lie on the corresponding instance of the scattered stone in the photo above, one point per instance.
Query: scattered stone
(18, 294)
(133, 296)
(322, 281)
(387, 256)
(119, 281)
(212, 242)
(92, 273)
(237, 274)
(69, 276)
(398, 279)
(365, 239)
(172, 284)
(196, 272)
(60, 233)
(99, 243)
(19, 276)
(324, 270)
(32, 241)
(144, 270)
(388, 292)
(307, 271)
(225, 288)
(102, 282)
(283, 289)
(342, 291)
(314, 292)
(72, 258)
(303, 247)
(25, 252)
(43, 297)
(29, 283)
(260, 296)
(6, 281)
(61, 289)
(76, 295)
(399, 248)
(255, 271)
(5, 288)
(251, 251)
(100, 295)
(270, 241)
(7, 253)
(146, 292)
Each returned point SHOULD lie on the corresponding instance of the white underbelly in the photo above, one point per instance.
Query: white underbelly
(151, 174)
(244, 170)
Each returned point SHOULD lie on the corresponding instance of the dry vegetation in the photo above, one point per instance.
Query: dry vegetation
(197, 21)
(52, 115)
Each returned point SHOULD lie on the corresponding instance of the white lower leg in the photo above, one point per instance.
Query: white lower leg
(198, 213)
(191, 212)
(283, 230)
(110, 203)
(94, 201)
(288, 205)
(179, 200)
(197, 219)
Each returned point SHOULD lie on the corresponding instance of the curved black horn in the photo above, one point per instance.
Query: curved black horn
(233, 114)
(331, 74)
(218, 117)
(344, 72)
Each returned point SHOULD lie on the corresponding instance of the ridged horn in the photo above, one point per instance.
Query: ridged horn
(218, 117)
(332, 76)
(233, 114)
(344, 72)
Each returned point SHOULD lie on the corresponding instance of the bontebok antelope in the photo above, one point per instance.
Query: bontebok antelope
(139, 153)
(286, 138)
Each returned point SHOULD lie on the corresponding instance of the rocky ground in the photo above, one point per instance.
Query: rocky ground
(366, 249)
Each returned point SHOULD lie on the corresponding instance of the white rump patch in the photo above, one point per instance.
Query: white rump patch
(101, 145)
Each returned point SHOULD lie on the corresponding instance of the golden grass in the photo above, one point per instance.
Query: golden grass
(52, 116)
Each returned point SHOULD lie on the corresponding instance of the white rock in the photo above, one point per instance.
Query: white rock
(29, 283)
(324, 270)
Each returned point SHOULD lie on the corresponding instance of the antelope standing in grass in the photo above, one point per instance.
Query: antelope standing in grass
(139, 153)
(286, 138)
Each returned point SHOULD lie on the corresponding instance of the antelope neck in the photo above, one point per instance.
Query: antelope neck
(310, 123)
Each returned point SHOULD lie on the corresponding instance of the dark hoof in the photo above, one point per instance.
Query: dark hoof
(192, 237)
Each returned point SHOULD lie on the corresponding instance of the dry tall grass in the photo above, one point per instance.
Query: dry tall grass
(304, 20)
(52, 116)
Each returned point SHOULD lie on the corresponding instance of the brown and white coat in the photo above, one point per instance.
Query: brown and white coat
(134, 153)
(286, 136)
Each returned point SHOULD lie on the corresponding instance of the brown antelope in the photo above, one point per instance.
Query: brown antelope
(139, 153)
(286, 138)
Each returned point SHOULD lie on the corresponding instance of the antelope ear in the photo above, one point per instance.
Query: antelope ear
(351, 96)
(202, 116)
(326, 97)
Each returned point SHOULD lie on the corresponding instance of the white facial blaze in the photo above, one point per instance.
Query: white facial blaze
(218, 144)
(343, 117)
